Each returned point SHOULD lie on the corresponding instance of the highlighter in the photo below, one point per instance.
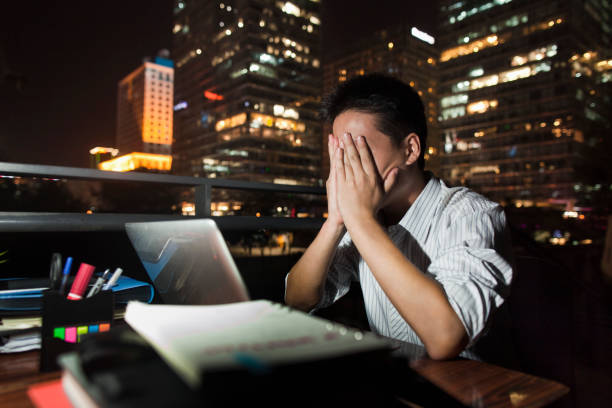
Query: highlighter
(80, 281)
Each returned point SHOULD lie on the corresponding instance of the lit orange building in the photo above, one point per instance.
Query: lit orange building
(144, 118)
(133, 161)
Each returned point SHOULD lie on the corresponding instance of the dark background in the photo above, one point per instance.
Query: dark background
(60, 62)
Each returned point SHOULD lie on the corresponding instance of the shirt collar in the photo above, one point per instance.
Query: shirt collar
(419, 216)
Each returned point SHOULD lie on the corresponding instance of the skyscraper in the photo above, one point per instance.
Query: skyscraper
(248, 82)
(404, 52)
(524, 96)
(144, 118)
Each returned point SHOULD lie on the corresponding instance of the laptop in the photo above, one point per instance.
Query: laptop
(188, 262)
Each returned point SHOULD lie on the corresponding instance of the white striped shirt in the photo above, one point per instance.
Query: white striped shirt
(455, 236)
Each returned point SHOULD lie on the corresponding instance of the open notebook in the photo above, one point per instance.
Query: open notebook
(252, 335)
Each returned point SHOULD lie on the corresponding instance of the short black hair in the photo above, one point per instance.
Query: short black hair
(397, 106)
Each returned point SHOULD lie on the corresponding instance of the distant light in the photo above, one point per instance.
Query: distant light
(423, 36)
(199, 51)
(110, 150)
(390, 45)
(213, 96)
(180, 106)
(228, 32)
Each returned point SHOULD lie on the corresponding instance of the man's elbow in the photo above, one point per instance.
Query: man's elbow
(447, 347)
(297, 297)
(299, 302)
(302, 305)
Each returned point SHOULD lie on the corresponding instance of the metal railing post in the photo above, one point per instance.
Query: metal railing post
(202, 200)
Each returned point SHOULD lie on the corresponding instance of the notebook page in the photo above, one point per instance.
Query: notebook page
(196, 339)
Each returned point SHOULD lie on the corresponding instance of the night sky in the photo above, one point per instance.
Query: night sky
(63, 60)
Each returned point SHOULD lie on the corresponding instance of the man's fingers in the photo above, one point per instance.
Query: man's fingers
(339, 165)
(330, 148)
(349, 174)
(332, 153)
(390, 180)
(365, 154)
(352, 153)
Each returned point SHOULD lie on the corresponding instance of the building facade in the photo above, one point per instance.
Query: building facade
(144, 118)
(403, 52)
(524, 96)
(100, 154)
(248, 84)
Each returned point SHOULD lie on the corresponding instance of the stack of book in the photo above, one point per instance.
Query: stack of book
(224, 355)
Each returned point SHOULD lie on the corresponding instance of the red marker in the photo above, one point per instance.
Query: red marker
(80, 281)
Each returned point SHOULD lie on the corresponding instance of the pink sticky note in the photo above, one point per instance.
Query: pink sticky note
(71, 334)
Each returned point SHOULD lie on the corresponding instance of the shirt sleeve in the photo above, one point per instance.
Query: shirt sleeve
(474, 267)
(342, 271)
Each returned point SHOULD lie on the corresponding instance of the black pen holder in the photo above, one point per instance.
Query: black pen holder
(65, 323)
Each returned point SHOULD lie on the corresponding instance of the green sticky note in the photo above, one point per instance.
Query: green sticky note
(59, 332)
(81, 330)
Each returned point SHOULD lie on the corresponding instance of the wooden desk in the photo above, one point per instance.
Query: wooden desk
(470, 382)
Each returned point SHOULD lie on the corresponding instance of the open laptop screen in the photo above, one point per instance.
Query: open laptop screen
(188, 261)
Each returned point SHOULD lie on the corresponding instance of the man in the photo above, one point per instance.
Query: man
(432, 261)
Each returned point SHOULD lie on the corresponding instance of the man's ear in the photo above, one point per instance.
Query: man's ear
(411, 147)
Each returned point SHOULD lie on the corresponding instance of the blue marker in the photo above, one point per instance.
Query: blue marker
(65, 274)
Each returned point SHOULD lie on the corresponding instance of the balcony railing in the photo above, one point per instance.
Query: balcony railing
(60, 221)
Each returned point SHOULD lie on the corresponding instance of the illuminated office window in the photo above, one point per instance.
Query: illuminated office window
(475, 10)
(535, 55)
(231, 122)
(472, 47)
(510, 22)
(543, 25)
(262, 70)
(481, 106)
(514, 74)
(452, 113)
(460, 86)
(489, 80)
(453, 100)
(603, 65)
(476, 72)
(454, 6)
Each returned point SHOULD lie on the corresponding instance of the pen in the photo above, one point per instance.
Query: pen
(55, 272)
(80, 282)
(98, 285)
(65, 274)
(113, 279)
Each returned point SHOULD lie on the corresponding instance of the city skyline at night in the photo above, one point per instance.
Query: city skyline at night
(58, 132)
(60, 64)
